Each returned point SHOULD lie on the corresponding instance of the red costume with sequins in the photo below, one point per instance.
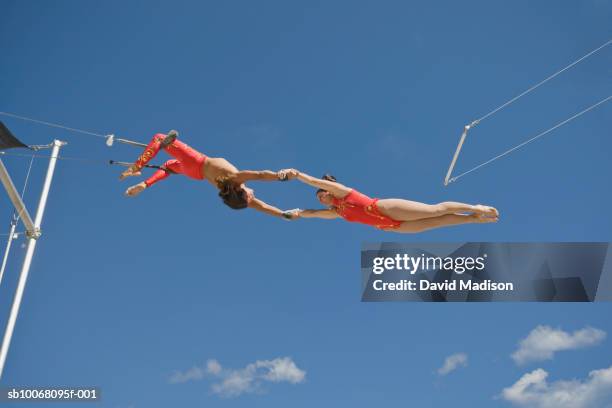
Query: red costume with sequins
(187, 160)
(357, 207)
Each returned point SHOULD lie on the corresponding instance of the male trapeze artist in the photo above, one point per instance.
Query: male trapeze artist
(216, 170)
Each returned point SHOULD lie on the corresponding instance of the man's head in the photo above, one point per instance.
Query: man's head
(235, 196)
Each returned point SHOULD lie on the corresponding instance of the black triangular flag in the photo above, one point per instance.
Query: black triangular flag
(7, 140)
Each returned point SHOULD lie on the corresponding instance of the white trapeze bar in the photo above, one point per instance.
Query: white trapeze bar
(466, 129)
(449, 179)
(110, 140)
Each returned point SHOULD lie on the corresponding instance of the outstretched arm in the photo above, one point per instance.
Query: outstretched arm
(247, 175)
(259, 205)
(325, 214)
(337, 189)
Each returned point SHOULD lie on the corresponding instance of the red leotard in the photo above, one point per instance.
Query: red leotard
(187, 160)
(357, 207)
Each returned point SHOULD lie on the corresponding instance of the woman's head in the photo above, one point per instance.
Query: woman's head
(324, 196)
(235, 196)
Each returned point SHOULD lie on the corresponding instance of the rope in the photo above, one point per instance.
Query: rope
(55, 125)
(14, 221)
(558, 125)
(81, 159)
(4, 234)
(38, 156)
(25, 183)
(502, 106)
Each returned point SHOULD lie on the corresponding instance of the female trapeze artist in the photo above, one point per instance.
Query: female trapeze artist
(216, 170)
(390, 214)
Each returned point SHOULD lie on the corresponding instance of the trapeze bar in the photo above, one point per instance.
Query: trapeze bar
(448, 178)
(110, 139)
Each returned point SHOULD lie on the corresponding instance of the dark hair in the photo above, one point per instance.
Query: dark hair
(232, 196)
(327, 177)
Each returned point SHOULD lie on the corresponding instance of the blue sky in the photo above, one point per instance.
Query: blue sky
(125, 292)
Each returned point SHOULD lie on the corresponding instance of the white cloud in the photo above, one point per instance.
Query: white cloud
(453, 362)
(534, 391)
(213, 367)
(250, 379)
(194, 373)
(282, 369)
(237, 382)
(544, 341)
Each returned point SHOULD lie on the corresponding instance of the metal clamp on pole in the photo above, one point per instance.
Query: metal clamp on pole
(40, 147)
(34, 234)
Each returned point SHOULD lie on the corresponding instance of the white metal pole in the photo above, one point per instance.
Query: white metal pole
(8, 248)
(23, 277)
(16, 198)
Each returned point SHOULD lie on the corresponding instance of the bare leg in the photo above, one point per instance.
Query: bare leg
(406, 210)
(441, 221)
